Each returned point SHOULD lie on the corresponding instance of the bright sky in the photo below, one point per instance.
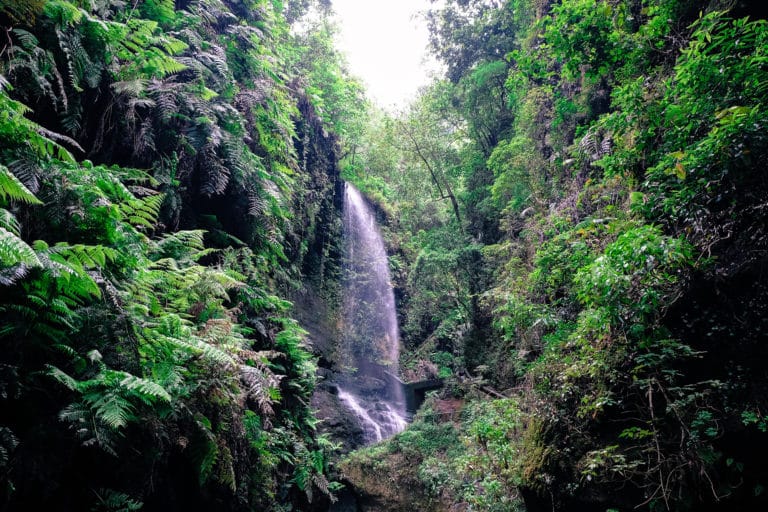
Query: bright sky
(385, 42)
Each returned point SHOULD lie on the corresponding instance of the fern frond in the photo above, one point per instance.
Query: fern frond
(181, 244)
(81, 257)
(8, 443)
(133, 88)
(64, 13)
(15, 251)
(110, 407)
(595, 146)
(165, 95)
(9, 222)
(12, 275)
(215, 60)
(204, 451)
(62, 378)
(114, 501)
(142, 212)
(144, 141)
(257, 206)
(214, 174)
(11, 188)
(198, 347)
(145, 390)
(76, 412)
(260, 385)
(88, 429)
(28, 172)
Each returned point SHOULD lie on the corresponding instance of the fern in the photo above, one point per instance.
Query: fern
(214, 174)
(161, 11)
(12, 189)
(9, 222)
(59, 138)
(226, 470)
(109, 396)
(8, 443)
(180, 245)
(80, 257)
(147, 391)
(142, 212)
(204, 449)
(22, 10)
(260, 385)
(14, 251)
(147, 53)
(110, 407)
(132, 88)
(109, 500)
(28, 172)
(594, 146)
(63, 378)
(64, 13)
(198, 347)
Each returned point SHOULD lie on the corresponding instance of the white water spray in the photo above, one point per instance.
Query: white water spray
(370, 334)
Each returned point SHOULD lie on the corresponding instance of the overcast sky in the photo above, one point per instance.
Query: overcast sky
(385, 42)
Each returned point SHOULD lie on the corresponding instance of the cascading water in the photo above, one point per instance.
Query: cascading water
(370, 345)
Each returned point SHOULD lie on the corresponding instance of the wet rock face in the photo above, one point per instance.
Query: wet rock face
(383, 486)
(336, 420)
(370, 385)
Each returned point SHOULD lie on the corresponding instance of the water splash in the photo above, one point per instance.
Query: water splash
(371, 428)
(370, 334)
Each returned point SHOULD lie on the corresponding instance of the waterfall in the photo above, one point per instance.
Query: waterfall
(370, 338)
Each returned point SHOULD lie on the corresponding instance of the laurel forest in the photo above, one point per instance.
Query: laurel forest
(572, 222)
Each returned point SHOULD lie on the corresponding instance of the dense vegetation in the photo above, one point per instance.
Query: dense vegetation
(165, 169)
(576, 220)
(578, 227)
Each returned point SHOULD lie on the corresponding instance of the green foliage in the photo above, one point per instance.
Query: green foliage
(634, 273)
(113, 501)
(131, 280)
(608, 171)
(582, 35)
(475, 460)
